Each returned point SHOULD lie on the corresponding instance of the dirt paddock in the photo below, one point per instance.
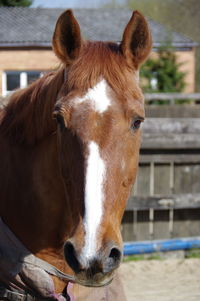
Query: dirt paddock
(161, 280)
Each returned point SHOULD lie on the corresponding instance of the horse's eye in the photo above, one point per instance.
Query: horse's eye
(60, 120)
(136, 123)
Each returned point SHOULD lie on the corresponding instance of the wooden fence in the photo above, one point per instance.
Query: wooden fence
(165, 201)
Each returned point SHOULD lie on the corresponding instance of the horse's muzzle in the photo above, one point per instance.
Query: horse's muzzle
(96, 271)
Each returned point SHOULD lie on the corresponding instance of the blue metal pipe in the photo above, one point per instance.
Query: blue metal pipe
(133, 248)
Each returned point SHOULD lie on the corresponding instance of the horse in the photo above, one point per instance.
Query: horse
(69, 149)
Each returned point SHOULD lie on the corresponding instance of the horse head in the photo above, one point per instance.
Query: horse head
(99, 111)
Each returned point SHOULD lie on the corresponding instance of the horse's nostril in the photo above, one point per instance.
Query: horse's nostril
(113, 260)
(71, 257)
(115, 255)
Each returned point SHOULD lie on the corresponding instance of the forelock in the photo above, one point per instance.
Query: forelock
(99, 60)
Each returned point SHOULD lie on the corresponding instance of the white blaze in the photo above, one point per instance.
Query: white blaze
(95, 171)
(94, 197)
(98, 97)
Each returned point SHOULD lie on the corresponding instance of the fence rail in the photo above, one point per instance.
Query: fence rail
(171, 98)
(171, 133)
(164, 202)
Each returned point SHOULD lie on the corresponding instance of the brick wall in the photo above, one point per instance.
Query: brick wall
(187, 60)
(17, 60)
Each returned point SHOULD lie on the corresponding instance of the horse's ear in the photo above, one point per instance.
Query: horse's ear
(67, 39)
(136, 42)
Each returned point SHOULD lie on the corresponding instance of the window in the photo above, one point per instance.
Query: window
(13, 80)
(32, 76)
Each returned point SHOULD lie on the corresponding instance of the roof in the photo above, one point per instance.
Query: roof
(21, 27)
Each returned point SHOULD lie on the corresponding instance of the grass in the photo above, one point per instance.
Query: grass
(193, 253)
(141, 257)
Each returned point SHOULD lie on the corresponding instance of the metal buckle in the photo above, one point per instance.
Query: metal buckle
(14, 296)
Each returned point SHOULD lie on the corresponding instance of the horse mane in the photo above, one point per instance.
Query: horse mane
(28, 114)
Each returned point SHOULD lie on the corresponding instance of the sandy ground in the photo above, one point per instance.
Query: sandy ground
(161, 280)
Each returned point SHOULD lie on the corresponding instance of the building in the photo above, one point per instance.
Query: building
(26, 33)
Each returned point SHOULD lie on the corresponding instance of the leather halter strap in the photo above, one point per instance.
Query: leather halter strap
(47, 267)
(16, 262)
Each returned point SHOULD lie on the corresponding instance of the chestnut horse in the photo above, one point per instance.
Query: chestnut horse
(69, 147)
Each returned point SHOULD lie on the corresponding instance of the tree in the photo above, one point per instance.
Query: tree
(162, 74)
(15, 2)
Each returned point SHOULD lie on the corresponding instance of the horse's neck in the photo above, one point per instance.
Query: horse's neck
(32, 193)
(33, 200)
